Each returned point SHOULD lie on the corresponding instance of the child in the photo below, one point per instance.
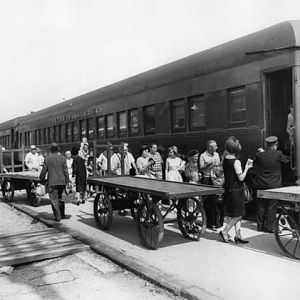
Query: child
(90, 172)
(217, 177)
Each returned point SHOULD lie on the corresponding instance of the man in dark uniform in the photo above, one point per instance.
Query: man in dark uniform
(56, 168)
(268, 175)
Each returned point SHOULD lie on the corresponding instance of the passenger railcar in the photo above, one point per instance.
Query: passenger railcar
(241, 88)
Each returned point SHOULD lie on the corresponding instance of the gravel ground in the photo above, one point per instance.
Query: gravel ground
(84, 275)
(12, 220)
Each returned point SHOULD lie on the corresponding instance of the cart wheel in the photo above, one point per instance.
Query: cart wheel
(191, 218)
(150, 224)
(103, 212)
(35, 200)
(134, 202)
(287, 235)
(8, 191)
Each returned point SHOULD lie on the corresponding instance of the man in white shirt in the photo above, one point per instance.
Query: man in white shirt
(32, 161)
(129, 162)
(41, 158)
(207, 161)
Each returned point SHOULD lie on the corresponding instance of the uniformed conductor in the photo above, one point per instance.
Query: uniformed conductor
(56, 169)
(268, 175)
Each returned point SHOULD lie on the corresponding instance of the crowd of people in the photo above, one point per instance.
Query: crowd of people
(69, 172)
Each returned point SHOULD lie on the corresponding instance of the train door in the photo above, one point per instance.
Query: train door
(279, 92)
(279, 96)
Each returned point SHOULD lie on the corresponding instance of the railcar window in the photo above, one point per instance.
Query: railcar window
(54, 133)
(110, 126)
(62, 134)
(149, 119)
(45, 135)
(68, 132)
(133, 122)
(90, 128)
(82, 129)
(100, 127)
(35, 137)
(75, 131)
(237, 106)
(41, 140)
(27, 138)
(122, 124)
(197, 112)
(178, 114)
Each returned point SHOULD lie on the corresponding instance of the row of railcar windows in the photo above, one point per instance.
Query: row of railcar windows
(187, 114)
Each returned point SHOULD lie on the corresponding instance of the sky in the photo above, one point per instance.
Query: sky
(54, 50)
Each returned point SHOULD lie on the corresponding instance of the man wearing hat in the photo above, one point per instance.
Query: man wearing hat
(32, 159)
(268, 166)
(56, 169)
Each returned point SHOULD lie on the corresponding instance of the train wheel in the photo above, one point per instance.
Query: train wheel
(103, 212)
(149, 224)
(287, 235)
(191, 218)
(8, 191)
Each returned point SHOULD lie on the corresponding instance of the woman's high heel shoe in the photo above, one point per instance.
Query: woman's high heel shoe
(223, 237)
(239, 240)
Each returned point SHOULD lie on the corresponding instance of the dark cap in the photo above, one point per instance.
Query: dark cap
(193, 153)
(74, 151)
(53, 147)
(271, 139)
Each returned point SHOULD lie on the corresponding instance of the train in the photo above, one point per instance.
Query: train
(243, 88)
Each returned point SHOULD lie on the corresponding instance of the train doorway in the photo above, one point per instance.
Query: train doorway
(279, 97)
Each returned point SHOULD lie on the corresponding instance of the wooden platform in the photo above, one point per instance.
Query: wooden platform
(28, 246)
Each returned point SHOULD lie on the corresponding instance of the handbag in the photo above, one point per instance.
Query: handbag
(247, 194)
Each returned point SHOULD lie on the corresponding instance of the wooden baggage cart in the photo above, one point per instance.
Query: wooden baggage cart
(28, 180)
(287, 232)
(143, 196)
(14, 177)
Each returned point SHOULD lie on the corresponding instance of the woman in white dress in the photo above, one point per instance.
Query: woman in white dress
(174, 164)
(144, 162)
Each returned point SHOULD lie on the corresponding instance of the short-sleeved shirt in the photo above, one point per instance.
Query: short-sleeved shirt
(116, 162)
(205, 159)
(157, 166)
(32, 161)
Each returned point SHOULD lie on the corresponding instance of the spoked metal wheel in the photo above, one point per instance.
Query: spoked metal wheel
(150, 224)
(191, 218)
(287, 235)
(8, 191)
(103, 212)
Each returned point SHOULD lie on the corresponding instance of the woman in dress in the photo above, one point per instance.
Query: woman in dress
(174, 164)
(234, 192)
(80, 174)
(144, 162)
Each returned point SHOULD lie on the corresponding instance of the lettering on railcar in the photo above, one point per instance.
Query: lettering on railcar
(75, 116)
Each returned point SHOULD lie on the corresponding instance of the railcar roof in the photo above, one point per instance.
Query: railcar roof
(281, 37)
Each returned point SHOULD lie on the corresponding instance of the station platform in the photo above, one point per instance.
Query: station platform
(207, 269)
